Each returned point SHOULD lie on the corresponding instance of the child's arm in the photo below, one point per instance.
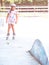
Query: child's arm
(7, 17)
(16, 18)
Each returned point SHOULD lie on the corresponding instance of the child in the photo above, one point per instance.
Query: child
(11, 19)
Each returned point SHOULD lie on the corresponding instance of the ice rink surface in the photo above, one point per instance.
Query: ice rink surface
(28, 29)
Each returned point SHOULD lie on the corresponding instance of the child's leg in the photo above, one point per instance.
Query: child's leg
(9, 26)
(12, 26)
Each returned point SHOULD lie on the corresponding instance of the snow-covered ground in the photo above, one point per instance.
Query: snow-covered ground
(28, 29)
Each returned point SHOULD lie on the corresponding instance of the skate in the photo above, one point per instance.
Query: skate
(7, 36)
(13, 36)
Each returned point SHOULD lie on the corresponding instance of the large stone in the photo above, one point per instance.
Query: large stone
(48, 63)
(38, 52)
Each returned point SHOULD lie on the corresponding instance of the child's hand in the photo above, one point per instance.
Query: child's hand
(15, 22)
(6, 21)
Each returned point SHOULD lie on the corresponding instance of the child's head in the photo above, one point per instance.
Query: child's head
(13, 6)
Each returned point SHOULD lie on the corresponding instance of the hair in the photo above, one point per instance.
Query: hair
(10, 9)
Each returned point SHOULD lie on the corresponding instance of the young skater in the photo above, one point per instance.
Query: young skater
(11, 19)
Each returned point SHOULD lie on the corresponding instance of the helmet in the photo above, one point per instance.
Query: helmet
(13, 5)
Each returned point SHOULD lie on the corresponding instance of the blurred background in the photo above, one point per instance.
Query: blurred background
(24, 2)
(29, 7)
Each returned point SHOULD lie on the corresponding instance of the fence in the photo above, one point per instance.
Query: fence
(27, 9)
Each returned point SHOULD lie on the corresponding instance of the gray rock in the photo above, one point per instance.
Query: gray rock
(48, 63)
(38, 52)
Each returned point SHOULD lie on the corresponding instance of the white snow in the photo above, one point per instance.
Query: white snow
(13, 52)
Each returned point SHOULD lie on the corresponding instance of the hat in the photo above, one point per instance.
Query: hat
(13, 5)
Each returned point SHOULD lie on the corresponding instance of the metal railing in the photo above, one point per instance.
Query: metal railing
(27, 9)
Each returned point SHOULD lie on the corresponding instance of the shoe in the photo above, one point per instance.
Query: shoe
(13, 33)
(6, 38)
(8, 34)
(13, 37)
